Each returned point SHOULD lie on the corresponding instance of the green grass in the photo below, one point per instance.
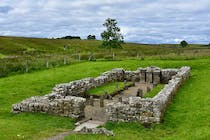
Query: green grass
(2, 56)
(186, 118)
(38, 50)
(109, 88)
(154, 91)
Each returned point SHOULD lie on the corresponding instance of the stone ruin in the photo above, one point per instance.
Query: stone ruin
(70, 100)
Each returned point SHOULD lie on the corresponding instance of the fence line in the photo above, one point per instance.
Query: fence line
(30, 63)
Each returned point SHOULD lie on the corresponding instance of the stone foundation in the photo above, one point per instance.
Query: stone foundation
(68, 99)
(68, 106)
(149, 110)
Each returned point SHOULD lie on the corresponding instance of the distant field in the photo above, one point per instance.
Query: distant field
(186, 118)
(19, 54)
(21, 46)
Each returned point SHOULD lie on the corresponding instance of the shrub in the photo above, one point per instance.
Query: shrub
(183, 43)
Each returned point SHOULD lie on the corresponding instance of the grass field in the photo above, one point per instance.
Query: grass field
(109, 88)
(15, 51)
(186, 118)
(154, 91)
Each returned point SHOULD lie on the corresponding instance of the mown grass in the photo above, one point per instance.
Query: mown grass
(2, 56)
(154, 91)
(186, 118)
(109, 88)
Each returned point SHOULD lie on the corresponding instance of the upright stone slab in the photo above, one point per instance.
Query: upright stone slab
(91, 101)
(101, 101)
(149, 75)
(139, 93)
(166, 75)
(142, 75)
(156, 76)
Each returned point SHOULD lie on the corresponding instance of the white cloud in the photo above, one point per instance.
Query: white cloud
(154, 21)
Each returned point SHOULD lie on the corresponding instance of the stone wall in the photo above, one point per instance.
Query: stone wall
(165, 96)
(132, 75)
(78, 87)
(69, 106)
(130, 109)
(66, 99)
(149, 110)
(166, 75)
(150, 74)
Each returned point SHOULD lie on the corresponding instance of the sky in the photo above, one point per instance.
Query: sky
(142, 21)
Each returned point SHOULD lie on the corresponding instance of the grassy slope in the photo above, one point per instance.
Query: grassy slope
(186, 118)
(14, 51)
(16, 45)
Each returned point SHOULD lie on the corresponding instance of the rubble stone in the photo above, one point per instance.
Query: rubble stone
(149, 110)
(97, 131)
(67, 99)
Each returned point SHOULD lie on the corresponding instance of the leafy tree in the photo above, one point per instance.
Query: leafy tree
(183, 43)
(112, 38)
(91, 37)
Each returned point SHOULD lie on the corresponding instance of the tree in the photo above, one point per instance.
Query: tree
(112, 38)
(183, 43)
(91, 37)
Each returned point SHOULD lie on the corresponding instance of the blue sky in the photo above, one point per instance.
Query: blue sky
(144, 21)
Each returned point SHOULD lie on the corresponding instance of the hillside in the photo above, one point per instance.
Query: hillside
(21, 45)
(20, 54)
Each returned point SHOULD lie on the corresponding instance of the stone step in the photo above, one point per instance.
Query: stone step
(89, 124)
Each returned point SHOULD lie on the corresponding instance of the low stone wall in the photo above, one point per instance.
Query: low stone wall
(130, 109)
(78, 87)
(69, 106)
(165, 96)
(66, 99)
(149, 110)
(166, 75)
(150, 74)
(132, 75)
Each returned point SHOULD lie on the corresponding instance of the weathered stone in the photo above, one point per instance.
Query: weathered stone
(149, 110)
(120, 99)
(133, 76)
(142, 75)
(148, 89)
(166, 75)
(97, 131)
(156, 76)
(149, 78)
(91, 101)
(101, 101)
(139, 93)
(69, 106)
(62, 102)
